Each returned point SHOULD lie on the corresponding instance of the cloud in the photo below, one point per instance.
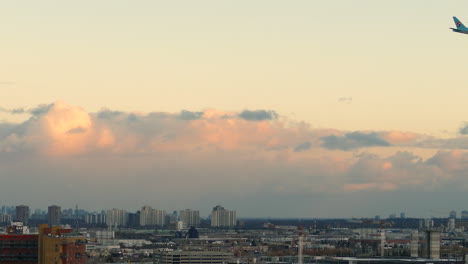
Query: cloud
(405, 171)
(40, 109)
(346, 100)
(108, 114)
(205, 151)
(13, 111)
(454, 162)
(35, 111)
(353, 140)
(370, 186)
(399, 137)
(442, 143)
(303, 147)
(258, 115)
(76, 130)
(187, 115)
(17, 111)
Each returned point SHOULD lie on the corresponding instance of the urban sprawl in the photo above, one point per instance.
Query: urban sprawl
(150, 235)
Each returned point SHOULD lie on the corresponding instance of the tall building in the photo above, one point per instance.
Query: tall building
(116, 217)
(453, 214)
(464, 215)
(190, 217)
(54, 215)
(426, 224)
(432, 244)
(451, 224)
(221, 217)
(5, 218)
(152, 217)
(95, 219)
(414, 244)
(133, 219)
(22, 214)
(59, 246)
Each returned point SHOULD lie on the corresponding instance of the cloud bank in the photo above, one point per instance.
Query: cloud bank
(219, 155)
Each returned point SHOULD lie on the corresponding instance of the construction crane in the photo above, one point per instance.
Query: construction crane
(382, 224)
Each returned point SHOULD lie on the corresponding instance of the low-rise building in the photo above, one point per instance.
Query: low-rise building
(191, 257)
(18, 249)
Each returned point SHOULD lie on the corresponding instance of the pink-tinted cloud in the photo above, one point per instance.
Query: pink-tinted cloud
(66, 130)
(370, 186)
(399, 137)
(279, 152)
(69, 130)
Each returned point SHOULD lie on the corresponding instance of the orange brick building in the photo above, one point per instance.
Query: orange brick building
(59, 246)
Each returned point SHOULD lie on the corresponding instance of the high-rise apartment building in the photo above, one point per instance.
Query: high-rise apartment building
(116, 217)
(453, 214)
(54, 215)
(95, 219)
(190, 217)
(152, 217)
(432, 244)
(221, 217)
(22, 214)
(5, 218)
(414, 244)
(133, 219)
(464, 215)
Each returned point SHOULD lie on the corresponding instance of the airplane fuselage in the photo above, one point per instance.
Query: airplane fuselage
(459, 31)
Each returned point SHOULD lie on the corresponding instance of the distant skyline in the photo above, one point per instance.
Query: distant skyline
(272, 108)
(435, 213)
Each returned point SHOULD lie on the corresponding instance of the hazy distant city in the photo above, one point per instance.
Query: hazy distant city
(149, 235)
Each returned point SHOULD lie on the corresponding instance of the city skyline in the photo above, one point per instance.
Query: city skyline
(71, 212)
(312, 109)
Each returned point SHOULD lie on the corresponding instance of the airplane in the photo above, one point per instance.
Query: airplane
(460, 27)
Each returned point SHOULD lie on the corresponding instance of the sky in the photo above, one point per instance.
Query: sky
(272, 108)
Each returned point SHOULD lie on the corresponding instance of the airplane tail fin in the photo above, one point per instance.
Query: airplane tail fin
(459, 24)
